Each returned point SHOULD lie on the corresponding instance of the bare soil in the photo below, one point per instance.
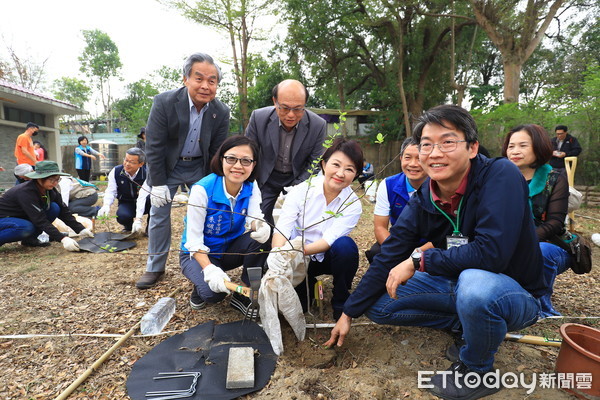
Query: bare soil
(49, 291)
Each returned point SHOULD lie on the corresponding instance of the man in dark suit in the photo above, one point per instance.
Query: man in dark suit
(185, 128)
(290, 138)
(564, 145)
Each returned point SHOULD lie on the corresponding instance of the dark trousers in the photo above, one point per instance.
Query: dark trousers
(270, 192)
(373, 251)
(84, 174)
(238, 255)
(341, 261)
(126, 213)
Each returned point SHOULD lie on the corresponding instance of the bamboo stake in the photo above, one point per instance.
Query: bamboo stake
(65, 394)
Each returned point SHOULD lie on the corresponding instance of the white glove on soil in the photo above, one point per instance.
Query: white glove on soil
(104, 211)
(160, 196)
(262, 232)
(86, 233)
(70, 244)
(276, 261)
(137, 226)
(216, 277)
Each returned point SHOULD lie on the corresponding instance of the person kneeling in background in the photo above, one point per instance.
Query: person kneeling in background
(28, 209)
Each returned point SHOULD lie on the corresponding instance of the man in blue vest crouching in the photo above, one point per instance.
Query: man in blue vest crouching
(127, 183)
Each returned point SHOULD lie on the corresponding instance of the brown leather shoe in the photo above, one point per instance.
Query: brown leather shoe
(149, 279)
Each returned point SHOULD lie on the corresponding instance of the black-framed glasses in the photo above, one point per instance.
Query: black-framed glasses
(446, 146)
(286, 109)
(231, 160)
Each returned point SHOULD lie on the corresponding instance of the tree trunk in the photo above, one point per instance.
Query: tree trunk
(512, 79)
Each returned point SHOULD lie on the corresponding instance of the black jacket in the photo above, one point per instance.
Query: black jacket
(25, 201)
(570, 146)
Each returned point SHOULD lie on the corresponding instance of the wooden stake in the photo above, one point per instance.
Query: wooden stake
(95, 366)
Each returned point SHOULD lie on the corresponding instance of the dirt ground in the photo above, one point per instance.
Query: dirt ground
(49, 291)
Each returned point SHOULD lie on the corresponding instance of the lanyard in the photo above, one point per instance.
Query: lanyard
(456, 231)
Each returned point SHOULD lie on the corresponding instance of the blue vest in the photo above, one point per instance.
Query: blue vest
(221, 226)
(397, 195)
(82, 162)
(127, 191)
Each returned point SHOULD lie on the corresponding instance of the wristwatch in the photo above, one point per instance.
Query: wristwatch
(416, 258)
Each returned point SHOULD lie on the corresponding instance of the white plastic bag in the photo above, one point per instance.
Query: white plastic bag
(277, 295)
(575, 198)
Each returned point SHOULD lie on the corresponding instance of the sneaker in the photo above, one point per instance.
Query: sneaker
(196, 302)
(242, 304)
(35, 242)
(453, 351)
(463, 383)
(149, 279)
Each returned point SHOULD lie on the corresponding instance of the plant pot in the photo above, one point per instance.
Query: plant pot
(580, 354)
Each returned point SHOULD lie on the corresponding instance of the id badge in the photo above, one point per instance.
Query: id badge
(456, 241)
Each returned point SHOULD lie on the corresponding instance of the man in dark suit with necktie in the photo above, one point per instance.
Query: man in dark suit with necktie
(185, 128)
(290, 138)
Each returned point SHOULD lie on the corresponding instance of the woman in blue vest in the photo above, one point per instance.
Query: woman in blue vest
(222, 207)
(84, 155)
(529, 148)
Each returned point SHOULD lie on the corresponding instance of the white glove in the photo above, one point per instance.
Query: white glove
(287, 189)
(137, 226)
(104, 211)
(262, 232)
(160, 196)
(70, 244)
(86, 233)
(276, 261)
(216, 277)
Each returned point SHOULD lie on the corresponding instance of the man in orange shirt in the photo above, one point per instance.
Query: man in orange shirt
(24, 151)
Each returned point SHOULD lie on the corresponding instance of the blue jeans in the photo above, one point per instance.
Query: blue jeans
(16, 229)
(556, 261)
(485, 304)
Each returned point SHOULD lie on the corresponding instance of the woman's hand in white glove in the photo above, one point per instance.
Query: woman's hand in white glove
(70, 244)
(216, 277)
(276, 261)
(86, 233)
(262, 232)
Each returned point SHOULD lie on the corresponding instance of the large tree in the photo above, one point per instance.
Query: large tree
(134, 109)
(73, 90)
(516, 28)
(237, 18)
(23, 69)
(101, 61)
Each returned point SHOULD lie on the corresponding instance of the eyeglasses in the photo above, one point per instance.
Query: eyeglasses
(54, 179)
(231, 160)
(446, 146)
(295, 110)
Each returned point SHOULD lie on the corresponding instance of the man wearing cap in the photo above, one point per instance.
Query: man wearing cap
(24, 151)
(185, 128)
(28, 209)
(290, 139)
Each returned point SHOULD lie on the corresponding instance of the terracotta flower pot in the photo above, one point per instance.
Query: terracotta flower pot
(580, 354)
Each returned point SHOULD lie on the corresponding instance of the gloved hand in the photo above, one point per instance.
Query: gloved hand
(137, 226)
(104, 211)
(86, 233)
(70, 244)
(216, 277)
(276, 261)
(287, 189)
(160, 196)
(262, 232)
